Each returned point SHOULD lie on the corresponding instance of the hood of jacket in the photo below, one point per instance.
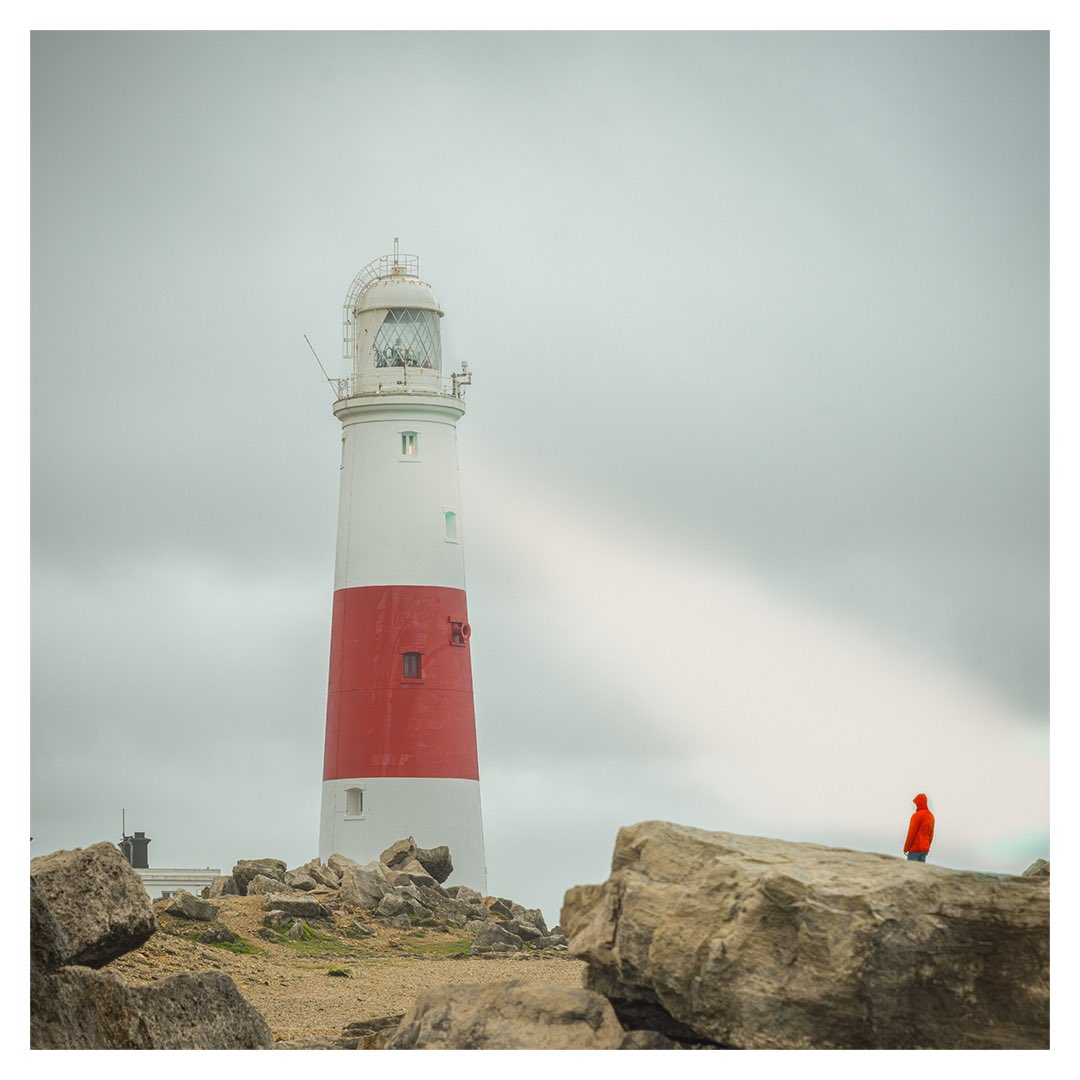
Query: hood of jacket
(920, 802)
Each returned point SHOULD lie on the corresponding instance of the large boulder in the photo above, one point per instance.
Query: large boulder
(1039, 868)
(492, 937)
(508, 1016)
(96, 900)
(436, 861)
(248, 869)
(757, 943)
(185, 906)
(48, 943)
(399, 853)
(297, 905)
(362, 886)
(83, 1009)
(261, 885)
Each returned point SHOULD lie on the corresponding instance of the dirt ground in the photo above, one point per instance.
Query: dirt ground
(289, 980)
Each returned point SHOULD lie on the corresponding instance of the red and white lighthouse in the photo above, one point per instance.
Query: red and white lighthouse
(400, 731)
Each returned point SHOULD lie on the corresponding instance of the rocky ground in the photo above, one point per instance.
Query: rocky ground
(697, 941)
(289, 980)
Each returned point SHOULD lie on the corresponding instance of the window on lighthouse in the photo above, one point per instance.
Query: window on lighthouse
(408, 338)
(354, 802)
(411, 665)
(410, 444)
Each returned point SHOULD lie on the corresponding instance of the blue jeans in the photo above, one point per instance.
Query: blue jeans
(917, 856)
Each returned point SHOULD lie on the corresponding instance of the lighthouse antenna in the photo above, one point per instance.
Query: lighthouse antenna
(319, 362)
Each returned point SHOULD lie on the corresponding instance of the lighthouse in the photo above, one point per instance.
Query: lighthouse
(400, 757)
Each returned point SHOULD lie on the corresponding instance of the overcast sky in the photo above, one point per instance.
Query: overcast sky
(754, 470)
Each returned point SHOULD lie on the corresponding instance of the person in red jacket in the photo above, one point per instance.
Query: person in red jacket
(920, 832)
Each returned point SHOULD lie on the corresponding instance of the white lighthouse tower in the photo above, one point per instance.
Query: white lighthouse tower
(400, 731)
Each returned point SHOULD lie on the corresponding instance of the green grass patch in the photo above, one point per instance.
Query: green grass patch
(453, 947)
(191, 933)
(240, 945)
(313, 943)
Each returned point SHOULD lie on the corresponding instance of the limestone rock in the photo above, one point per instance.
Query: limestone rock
(297, 905)
(48, 944)
(399, 853)
(436, 861)
(278, 920)
(296, 879)
(362, 886)
(400, 903)
(508, 1016)
(535, 917)
(757, 943)
(372, 1034)
(261, 885)
(83, 1009)
(1039, 868)
(78, 1008)
(549, 941)
(199, 1012)
(96, 900)
(401, 921)
(498, 906)
(463, 892)
(217, 935)
(492, 937)
(337, 863)
(248, 869)
(185, 906)
(525, 931)
(644, 1039)
(413, 873)
(322, 875)
(224, 885)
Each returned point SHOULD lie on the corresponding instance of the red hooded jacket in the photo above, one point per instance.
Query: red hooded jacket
(920, 832)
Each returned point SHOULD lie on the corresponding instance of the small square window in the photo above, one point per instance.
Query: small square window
(411, 665)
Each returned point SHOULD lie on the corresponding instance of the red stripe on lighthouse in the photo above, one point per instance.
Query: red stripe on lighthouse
(378, 721)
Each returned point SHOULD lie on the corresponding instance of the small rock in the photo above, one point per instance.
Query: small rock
(1039, 868)
(183, 905)
(278, 920)
(217, 935)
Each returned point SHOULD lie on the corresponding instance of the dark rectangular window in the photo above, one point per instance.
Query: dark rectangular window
(411, 669)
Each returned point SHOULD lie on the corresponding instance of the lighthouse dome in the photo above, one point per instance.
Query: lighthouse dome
(397, 291)
(392, 326)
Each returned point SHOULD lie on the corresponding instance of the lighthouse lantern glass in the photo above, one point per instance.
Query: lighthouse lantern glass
(408, 337)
